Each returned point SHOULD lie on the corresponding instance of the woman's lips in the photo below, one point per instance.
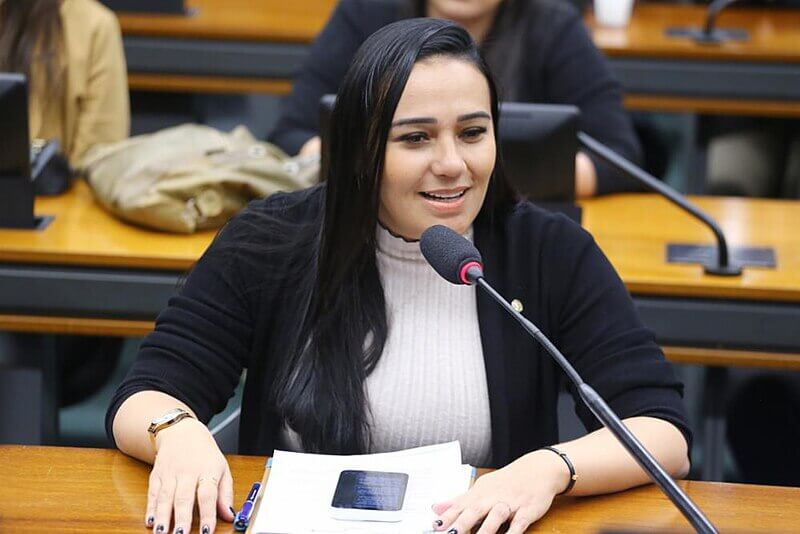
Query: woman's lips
(444, 197)
(444, 201)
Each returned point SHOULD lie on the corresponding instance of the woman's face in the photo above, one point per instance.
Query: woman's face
(440, 152)
(462, 11)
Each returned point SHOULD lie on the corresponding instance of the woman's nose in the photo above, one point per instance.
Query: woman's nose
(448, 161)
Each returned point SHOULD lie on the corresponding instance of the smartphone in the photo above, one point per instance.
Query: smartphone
(369, 496)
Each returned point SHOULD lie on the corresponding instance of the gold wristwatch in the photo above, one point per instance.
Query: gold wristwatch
(168, 419)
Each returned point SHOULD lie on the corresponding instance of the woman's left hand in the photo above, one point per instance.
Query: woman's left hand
(519, 493)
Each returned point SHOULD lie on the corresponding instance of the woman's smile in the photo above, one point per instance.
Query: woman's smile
(445, 200)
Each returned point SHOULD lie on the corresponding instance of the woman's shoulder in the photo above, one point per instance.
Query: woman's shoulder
(297, 206)
(88, 14)
(550, 20)
(552, 10)
(371, 15)
(268, 218)
(545, 229)
(268, 232)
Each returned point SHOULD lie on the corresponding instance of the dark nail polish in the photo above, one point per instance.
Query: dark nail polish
(452, 531)
(150, 521)
(160, 528)
(179, 530)
(438, 522)
(206, 530)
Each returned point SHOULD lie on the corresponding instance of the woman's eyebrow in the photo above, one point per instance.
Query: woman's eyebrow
(431, 120)
(415, 120)
(474, 115)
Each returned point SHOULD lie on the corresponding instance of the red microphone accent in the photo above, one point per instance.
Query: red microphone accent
(462, 275)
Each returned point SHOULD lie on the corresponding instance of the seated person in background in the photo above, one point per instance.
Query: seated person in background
(71, 52)
(324, 296)
(754, 157)
(539, 50)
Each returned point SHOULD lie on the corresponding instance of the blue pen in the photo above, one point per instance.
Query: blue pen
(244, 515)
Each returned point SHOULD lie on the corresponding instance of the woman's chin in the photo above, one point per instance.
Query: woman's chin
(455, 224)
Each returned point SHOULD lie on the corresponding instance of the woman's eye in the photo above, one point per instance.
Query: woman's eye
(414, 138)
(473, 133)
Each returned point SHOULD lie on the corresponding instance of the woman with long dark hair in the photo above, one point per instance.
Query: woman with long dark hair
(71, 52)
(353, 344)
(538, 50)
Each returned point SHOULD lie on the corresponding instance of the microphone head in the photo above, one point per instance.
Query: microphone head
(451, 255)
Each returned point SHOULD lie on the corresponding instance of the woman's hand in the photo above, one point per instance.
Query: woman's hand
(188, 464)
(519, 493)
(312, 147)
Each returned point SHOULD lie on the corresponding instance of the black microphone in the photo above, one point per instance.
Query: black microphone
(724, 266)
(453, 257)
(709, 33)
(459, 262)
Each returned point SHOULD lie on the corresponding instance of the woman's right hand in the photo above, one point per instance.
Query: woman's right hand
(188, 464)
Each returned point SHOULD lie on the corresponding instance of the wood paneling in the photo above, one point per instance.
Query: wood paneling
(207, 84)
(681, 104)
(74, 325)
(733, 358)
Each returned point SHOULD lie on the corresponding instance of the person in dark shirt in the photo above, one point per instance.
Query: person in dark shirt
(353, 344)
(539, 50)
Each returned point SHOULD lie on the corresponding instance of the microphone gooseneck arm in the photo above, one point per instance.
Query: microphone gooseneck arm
(711, 15)
(723, 266)
(606, 416)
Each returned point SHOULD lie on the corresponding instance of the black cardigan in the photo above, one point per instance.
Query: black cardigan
(237, 305)
(561, 66)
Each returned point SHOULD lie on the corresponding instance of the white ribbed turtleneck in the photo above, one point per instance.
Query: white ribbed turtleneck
(430, 383)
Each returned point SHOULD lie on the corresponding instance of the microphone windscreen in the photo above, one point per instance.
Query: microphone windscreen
(448, 252)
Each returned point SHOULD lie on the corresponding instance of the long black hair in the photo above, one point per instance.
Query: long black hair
(30, 43)
(319, 387)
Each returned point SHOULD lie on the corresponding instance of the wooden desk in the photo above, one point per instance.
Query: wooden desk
(759, 76)
(90, 270)
(94, 490)
(240, 46)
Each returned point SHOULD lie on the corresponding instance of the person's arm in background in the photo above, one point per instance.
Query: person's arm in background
(350, 24)
(575, 72)
(104, 114)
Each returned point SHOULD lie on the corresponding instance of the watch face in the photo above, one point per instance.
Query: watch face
(169, 415)
(168, 418)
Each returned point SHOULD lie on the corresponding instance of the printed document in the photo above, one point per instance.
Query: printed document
(298, 494)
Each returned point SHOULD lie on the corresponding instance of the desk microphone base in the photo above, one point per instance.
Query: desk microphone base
(706, 256)
(714, 37)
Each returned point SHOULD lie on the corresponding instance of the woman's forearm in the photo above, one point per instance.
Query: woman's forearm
(585, 176)
(604, 466)
(134, 417)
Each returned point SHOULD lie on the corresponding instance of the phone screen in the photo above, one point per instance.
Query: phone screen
(370, 490)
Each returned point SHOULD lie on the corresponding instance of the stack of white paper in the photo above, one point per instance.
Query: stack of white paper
(297, 498)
